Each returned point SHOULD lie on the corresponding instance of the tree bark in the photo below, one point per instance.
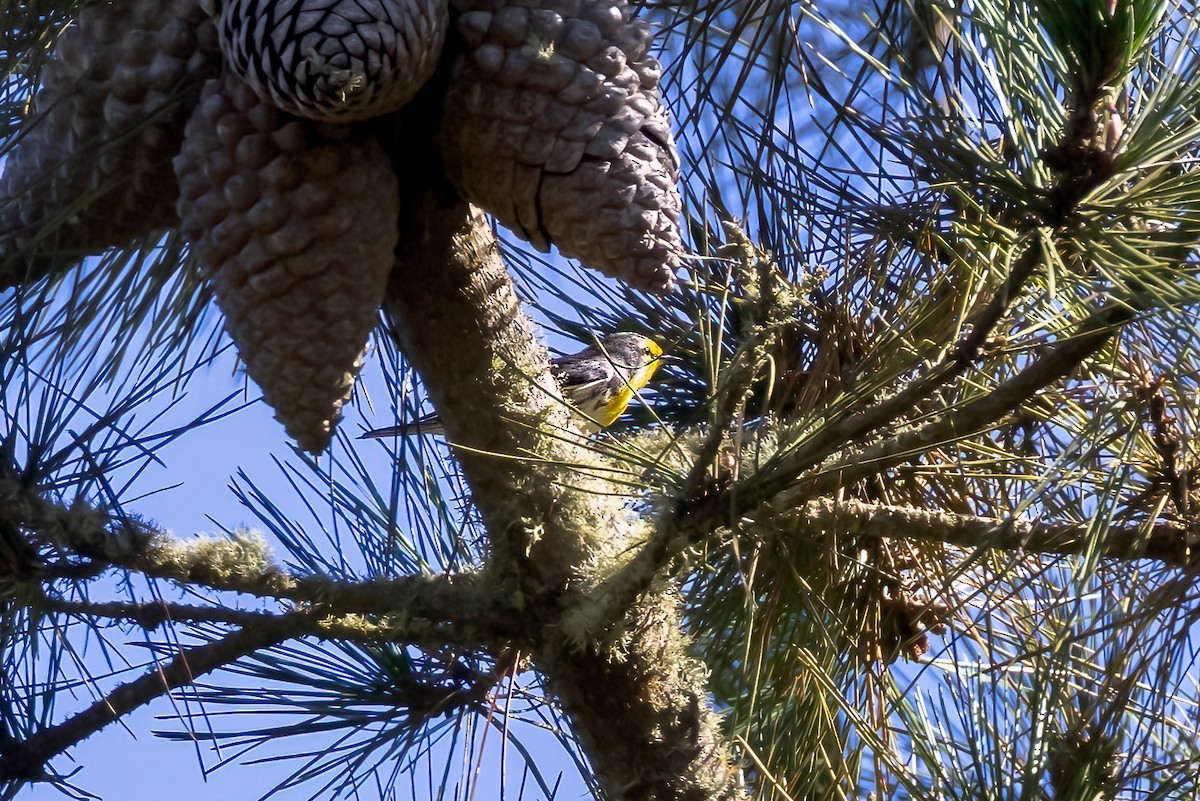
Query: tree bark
(637, 701)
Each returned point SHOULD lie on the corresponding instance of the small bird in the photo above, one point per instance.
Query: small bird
(598, 382)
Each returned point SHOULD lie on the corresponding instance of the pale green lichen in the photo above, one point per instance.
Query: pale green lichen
(240, 561)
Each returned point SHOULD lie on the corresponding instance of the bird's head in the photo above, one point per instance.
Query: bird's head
(635, 354)
(631, 350)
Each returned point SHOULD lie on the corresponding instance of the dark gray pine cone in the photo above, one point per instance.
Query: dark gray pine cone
(295, 224)
(93, 167)
(333, 60)
(554, 123)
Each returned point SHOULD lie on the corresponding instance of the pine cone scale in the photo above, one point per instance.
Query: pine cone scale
(298, 246)
(109, 118)
(553, 107)
(333, 60)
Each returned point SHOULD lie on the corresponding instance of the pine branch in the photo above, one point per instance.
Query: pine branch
(780, 487)
(439, 609)
(859, 423)
(26, 760)
(153, 614)
(1057, 361)
(554, 529)
(621, 590)
(1172, 545)
(316, 622)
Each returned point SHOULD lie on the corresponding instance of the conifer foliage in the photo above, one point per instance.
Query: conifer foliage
(909, 512)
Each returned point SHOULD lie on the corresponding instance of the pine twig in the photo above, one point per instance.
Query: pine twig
(1056, 363)
(153, 614)
(443, 608)
(26, 760)
(1170, 544)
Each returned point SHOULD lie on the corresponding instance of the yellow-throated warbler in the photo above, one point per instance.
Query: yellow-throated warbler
(598, 382)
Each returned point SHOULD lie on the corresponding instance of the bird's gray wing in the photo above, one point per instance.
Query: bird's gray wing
(577, 376)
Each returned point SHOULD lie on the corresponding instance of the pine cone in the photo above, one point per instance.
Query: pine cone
(554, 123)
(295, 223)
(93, 169)
(334, 60)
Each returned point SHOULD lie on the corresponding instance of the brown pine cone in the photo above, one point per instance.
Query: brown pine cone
(554, 123)
(295, 223)
(333, 60)
(93, 168)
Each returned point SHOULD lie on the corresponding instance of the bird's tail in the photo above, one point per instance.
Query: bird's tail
(425, 426)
